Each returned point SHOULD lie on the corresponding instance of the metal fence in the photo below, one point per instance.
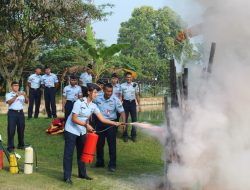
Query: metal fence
(148, 88)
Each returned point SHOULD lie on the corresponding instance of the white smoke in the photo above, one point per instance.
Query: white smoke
(214, 140)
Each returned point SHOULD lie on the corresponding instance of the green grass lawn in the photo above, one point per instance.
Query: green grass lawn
(136, 162)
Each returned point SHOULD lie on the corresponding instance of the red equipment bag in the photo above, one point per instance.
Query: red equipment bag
(88, 152)
(56, 127)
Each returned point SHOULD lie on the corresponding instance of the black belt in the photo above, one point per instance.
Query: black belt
(18, 111)
(129, 101)
(49, 87)
(72, 101)
(35, 88)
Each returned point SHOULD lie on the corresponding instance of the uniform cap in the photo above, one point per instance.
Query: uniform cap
(74, 77)
(114, 75)
(14, 82)
(90, 66)
(100, 81)
(93, 86)
(47, 67)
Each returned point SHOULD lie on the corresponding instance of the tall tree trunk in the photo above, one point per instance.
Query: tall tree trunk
(8, 83)
(9, 76)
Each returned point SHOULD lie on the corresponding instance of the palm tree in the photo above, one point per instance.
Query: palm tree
(101, 56)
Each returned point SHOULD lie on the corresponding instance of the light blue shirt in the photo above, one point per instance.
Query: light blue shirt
(35, 80)
(117, 90)
(19, 102)
(84, 111)
(72, 92)
(100, 94)
(85, 78)
(129, 91)
(109, 107)
(49, 80)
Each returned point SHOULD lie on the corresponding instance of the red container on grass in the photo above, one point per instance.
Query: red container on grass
(88, 152)
(1, 159)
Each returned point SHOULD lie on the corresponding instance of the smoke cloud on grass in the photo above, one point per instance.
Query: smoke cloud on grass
(213, 140)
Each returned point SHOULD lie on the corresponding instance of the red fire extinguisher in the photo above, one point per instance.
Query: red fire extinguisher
(88, 152)
(1, 154)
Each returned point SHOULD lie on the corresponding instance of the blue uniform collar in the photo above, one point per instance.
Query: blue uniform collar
(85, 101)
(87, 73)
(129, 83)
(73, 86)
(107, 100)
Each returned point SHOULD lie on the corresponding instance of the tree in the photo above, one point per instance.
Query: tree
(152, 38)
(25, 24)
(64, 56)
(101, 55)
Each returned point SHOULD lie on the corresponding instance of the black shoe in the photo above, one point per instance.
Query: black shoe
(54, 116)
(111, 169)
(68, 181)
(86, 177)
(125, 139)
(11, 151)
(134, 139)
(48, 117)
(22, 147)
(97, 165)
(29, 118)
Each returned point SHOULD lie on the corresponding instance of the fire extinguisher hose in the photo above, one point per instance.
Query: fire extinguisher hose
(98, 132)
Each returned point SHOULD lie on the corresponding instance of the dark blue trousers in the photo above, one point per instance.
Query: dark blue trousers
(50, 101)
(15, 119)
(118, 117)
(110, 134)
(130, 108)
(34, 96)
(68, 108)
(71, 141)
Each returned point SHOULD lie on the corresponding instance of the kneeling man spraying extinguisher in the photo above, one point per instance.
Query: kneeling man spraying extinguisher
(75, 132)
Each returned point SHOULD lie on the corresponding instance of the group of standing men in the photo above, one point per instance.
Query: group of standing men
(113, 100)
(16, 100)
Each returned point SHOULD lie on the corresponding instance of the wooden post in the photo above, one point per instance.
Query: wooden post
(174, 97)
(185, 83)
(181, 90)
(211, 57)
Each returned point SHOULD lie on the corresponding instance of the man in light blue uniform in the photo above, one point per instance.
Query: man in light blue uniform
(71, 93)
(100, 93)
(86, 77)
(100, 83)
(130, 93)
(117, 91)
(75, 132)
(34, 83)
(16, 101)
(109, 105)
(50, 83)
